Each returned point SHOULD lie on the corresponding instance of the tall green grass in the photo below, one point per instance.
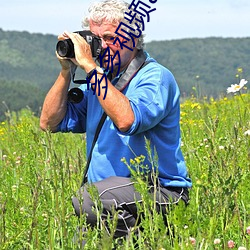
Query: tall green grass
(40, 172)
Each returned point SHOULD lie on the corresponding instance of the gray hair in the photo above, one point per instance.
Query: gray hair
(112, 11)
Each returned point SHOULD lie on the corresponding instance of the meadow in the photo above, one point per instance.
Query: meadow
(40, 172)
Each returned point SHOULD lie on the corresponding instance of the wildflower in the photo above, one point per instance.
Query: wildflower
(247, 133)
(132, 162)
(198, 182)
(248, 230)
(22, 210)
(195, 106)
(240, 70)
(230, 244)
(221, 147)
(216, 241)
(192, 240)
(71, 167)
(14, 188)
(237, 87)
(242, 248)
(45, 216)
(137, 159)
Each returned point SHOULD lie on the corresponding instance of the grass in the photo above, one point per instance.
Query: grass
(40, 172)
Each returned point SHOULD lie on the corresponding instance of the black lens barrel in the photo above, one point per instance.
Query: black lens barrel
(65, 48)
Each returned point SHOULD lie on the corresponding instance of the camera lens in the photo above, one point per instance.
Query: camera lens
(65, 48)
(75, 95)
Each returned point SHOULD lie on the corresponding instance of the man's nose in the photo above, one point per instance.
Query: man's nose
(104, 44)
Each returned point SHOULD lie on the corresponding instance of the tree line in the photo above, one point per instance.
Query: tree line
(202, 67)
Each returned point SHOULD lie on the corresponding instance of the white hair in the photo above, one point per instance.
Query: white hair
(112, 11)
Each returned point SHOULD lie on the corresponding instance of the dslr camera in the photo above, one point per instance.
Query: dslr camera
(65, 48)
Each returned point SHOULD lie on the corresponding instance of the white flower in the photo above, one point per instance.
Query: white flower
(237, 87)
(22, 210)
(217, 241)
(242, 248)
(247, 133)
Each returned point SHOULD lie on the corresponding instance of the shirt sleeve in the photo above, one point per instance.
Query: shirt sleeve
(152, 98)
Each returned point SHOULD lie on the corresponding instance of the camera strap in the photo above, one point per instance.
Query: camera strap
(136, 64)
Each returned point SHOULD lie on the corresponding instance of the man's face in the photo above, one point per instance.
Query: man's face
(106, 31)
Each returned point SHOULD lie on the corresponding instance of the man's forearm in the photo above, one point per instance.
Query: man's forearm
(115, 104)
(55, 103)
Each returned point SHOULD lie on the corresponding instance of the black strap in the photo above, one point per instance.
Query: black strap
(97, 132)
(136, 64)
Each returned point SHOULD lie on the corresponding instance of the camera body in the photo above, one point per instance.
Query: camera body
(65, 48)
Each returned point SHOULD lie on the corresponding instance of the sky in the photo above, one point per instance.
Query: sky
(172, 19)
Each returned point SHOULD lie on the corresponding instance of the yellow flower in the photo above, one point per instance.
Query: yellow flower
(132, 162)
(195, 105)
(138, 160)
(240, 70)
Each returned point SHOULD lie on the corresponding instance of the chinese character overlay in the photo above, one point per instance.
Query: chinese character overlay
(138, 11)
(110, 60)
(97, 83)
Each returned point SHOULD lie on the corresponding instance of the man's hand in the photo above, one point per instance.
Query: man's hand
(66, 63)
(83, 54)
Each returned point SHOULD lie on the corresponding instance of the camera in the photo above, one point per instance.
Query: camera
(65, 48)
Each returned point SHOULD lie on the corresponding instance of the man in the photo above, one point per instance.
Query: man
(146, 107)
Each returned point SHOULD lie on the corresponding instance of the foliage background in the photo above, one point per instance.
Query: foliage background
(40, 172)
(28, 66)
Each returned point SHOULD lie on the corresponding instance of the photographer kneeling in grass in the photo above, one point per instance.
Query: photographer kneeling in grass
(141, 104)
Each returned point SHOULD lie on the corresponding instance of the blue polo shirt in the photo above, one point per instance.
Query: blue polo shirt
(154, 97)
